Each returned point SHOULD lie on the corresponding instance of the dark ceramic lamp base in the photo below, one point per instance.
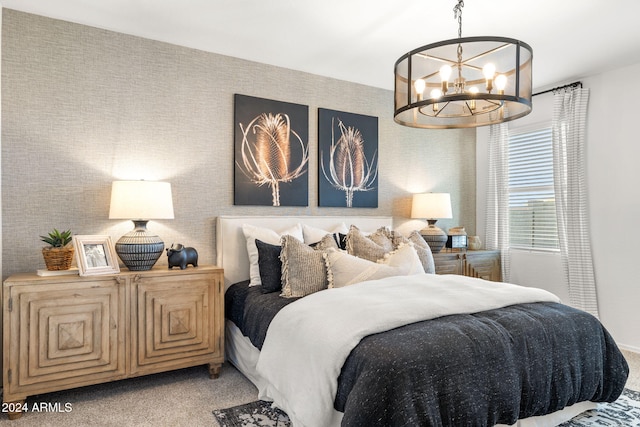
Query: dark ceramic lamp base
(434, 236)
(139, 249)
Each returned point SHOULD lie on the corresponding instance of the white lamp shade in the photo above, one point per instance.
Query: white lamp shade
(431, 206)
(141, 200)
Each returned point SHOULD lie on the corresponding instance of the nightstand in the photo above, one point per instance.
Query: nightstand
(481, 264)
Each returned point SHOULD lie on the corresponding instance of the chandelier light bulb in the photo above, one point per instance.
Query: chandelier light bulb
(501, 83)
(489, 71)
(435, 94)
(472, 103)
(419, 85)
(445, 72)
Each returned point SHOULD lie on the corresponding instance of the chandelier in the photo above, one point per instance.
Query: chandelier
(464, 82)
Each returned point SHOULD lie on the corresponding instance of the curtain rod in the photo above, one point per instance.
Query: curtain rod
(570, 85)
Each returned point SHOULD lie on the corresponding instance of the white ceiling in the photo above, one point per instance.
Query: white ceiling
(360, 40)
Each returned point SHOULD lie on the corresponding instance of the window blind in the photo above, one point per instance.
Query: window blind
(532, 208)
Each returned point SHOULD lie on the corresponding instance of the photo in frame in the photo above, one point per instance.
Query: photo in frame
(271, 152)
(95, 255)
(347, 159)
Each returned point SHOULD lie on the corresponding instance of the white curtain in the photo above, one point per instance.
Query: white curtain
(497, 215)
(568, 127)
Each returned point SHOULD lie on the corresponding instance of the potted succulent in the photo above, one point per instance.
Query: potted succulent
(59, 254)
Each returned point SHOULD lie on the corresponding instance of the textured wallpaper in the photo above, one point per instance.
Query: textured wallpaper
(82, 107)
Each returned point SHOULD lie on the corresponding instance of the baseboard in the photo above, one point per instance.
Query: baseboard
(629, 348)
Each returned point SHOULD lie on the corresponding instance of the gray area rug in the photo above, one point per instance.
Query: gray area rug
(623, 412)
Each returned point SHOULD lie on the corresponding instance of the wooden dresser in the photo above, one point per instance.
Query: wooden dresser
(483, 264)
(62, 332)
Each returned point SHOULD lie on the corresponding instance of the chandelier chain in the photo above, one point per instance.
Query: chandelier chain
(457, 13)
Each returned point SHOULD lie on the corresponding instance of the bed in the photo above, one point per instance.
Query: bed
(498, 355)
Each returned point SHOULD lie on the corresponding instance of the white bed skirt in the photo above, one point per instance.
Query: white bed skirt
(244, 356)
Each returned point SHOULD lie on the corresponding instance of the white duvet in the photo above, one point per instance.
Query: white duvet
(309, 340)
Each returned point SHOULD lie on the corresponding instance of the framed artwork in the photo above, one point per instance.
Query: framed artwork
(271, 152)
(348, 160)
(95, 255)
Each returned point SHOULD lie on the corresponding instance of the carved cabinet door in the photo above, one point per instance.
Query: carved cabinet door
(484, 265)
(63, 334)
(174, 321)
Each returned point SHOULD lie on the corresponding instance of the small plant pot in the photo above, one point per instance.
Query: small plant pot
(58, 258)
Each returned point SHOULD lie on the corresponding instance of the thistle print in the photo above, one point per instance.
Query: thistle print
(349, 170)
(266, 152)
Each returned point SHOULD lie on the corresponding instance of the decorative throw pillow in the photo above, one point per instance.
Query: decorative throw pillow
(424, 252)
(251, 233)
(303, 269)
(270, 266)
(344, 269)
(315, 234)
(327, 242)
(397, 238)
(371, 247)
(406, 257)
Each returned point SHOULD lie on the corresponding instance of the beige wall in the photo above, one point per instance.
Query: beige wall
(82, 107)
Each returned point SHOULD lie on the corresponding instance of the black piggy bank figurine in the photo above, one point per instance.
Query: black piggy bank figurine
(179, 256)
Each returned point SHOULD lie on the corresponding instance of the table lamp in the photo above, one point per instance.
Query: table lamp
(140, 201)
(432, 206)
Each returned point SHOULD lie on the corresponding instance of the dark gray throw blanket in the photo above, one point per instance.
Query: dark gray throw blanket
(463, 370)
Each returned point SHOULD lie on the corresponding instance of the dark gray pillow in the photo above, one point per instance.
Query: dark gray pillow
(270, 266)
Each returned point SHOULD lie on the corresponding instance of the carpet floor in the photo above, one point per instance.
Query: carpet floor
(184, 397)
(623, 412)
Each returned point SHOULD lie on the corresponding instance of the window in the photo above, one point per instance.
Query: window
(532, 207)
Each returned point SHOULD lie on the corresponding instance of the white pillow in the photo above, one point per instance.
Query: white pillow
(344, 269)
(251, 233)
(315, 234)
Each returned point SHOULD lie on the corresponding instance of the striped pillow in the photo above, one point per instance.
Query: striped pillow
(303, 268)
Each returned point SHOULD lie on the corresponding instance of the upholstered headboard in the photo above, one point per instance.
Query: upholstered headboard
(231, 246)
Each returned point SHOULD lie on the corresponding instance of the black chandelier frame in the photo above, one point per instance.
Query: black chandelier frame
(461, 108)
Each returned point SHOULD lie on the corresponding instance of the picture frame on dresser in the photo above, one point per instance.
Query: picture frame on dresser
(95, 254)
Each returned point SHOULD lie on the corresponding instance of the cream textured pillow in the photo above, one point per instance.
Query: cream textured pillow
(344, 269)
(251, 233)
(371, 247)
(303, 268)
(424, 252)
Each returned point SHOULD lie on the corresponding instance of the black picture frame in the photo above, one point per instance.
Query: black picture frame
(347, 159)
(271, 152)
